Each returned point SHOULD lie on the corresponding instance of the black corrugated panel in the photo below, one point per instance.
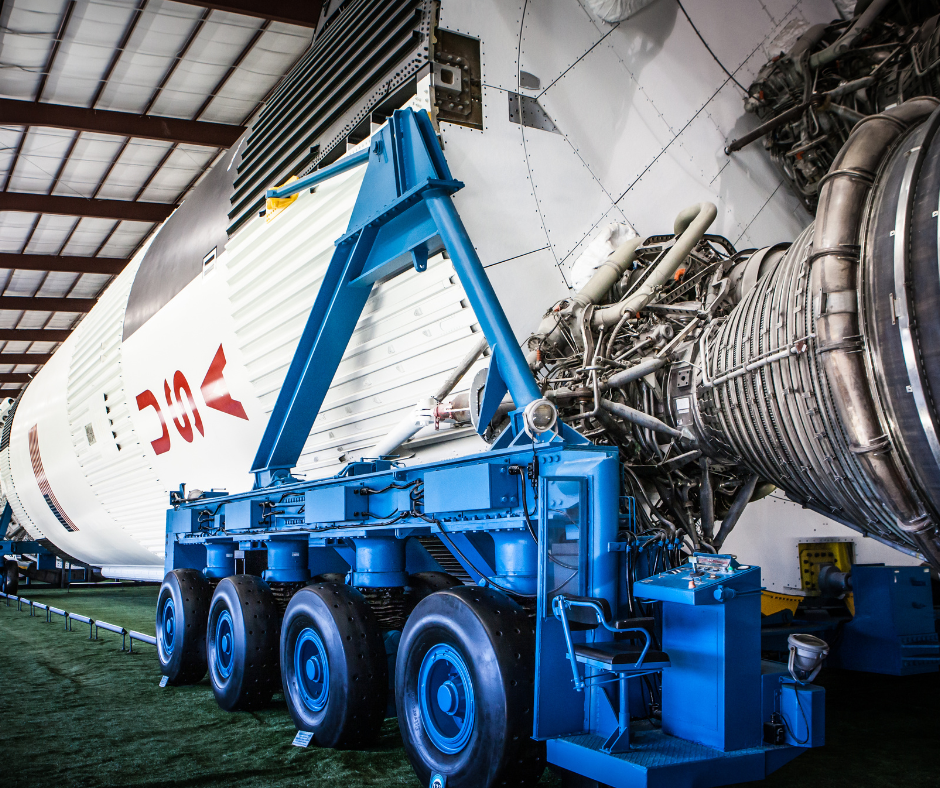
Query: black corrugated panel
(371, 49)
(445, 559)
(8, 424)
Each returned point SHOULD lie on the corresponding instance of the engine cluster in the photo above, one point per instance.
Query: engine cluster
(810, 98)
(813, 367)
(617, 367)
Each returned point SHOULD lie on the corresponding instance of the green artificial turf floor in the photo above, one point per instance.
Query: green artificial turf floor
(82, 713)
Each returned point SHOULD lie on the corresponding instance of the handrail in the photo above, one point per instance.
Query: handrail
(93, 624)
(141, 638)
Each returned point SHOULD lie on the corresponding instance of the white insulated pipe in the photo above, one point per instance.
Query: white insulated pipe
(690, 227)
(605, 277)
(423, 413)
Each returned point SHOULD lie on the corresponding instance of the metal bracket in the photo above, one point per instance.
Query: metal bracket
(526, 111)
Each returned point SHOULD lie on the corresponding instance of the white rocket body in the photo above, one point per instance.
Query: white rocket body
(642, 113)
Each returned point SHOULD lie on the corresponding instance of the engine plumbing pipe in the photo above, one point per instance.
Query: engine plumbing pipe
(847, 41)
(821, 100)
(737, 509)
(690, 227)
(423, 414)
(641, 370)
(461, 369)
(707, 501)
(639, 418)
(605, 277)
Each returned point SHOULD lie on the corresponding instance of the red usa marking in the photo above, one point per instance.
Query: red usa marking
(180, 403)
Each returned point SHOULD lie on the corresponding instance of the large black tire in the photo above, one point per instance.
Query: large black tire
(182, 613)
(422, 584)
(10, 578)
(333, 666)
(242, 643)
(464, 690)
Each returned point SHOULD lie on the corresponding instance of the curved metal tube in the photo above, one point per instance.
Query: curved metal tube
(639, 418)
(834, 274)
(846, 41)
(690, 227)
(605, 277)
(641, 370)
(737, 509)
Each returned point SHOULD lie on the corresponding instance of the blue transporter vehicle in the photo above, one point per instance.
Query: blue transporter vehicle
(335, 589)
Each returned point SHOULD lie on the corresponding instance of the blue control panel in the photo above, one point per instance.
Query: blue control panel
(706, 580)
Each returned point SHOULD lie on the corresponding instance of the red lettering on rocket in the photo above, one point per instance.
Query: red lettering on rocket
(181, 403)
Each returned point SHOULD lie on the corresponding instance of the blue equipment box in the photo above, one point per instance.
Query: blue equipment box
(803, 708)
(711, 632)
(470, 488)
(800, 707)
(704, 581)
(331, 504)
(182, 521)
(244, 514)
(893, 630)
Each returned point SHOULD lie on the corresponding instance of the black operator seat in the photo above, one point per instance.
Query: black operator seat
(582, 615)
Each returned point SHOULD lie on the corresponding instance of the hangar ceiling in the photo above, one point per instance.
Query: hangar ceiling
(110, 113)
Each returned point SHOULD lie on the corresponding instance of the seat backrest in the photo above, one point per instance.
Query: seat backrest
(580, 618)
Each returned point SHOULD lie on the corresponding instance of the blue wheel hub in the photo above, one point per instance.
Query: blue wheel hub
(312, 669)
(224, 644)
(168, 625)
(446, 699)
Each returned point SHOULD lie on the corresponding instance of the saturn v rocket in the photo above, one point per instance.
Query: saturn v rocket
(585, 132)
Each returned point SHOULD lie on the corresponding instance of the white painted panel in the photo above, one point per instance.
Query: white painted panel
(555, 36)
(648, 46)
(616, 132)
(695, 168)
(497, 25)
(526, 287)
(172, 352)
(571, 200)
(732, 40)
(497, 204)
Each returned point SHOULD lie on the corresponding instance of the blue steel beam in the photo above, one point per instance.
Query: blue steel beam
(5, 519)
(309, 181)
(402, 215)
(509, 358)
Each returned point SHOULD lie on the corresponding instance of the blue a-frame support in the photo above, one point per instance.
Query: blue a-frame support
(403, 215)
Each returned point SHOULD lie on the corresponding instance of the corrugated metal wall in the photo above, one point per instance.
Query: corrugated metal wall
(20, 515)
(116, 466)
